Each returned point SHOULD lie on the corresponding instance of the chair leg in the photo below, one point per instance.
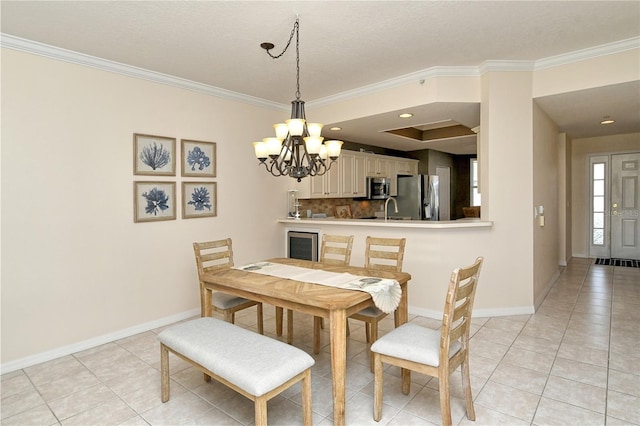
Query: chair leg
(307, 414)
(229, 316)
(260, 322)
(445, 402)
(164, 372)
(367, 331)
(466, 386)
(374, 337)
(377, 387)
(261, 411)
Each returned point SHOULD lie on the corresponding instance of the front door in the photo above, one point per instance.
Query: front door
(625, 206)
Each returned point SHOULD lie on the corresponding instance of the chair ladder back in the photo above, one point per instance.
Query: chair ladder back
(338, 247)
(213, 255)
(393, 259)
(458, 306)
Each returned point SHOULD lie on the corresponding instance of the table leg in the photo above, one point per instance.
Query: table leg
(278, 321)
(401, 316)
(338, 320)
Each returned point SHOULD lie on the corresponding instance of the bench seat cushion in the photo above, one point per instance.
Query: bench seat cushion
(251, 361)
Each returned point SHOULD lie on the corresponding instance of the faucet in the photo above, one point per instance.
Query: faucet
(386, 205)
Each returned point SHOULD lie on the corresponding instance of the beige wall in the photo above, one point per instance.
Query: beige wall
(546, 184)
(74, 265)
(581, 150)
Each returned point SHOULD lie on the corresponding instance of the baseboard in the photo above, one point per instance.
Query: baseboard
(96, 341)
(477, 313)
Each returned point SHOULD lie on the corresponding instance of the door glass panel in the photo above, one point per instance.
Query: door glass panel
(598, 237)
(598, 187)
(598, 220)
(598, 171)
(598, 204)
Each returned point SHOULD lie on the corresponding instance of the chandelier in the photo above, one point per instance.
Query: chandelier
(297, 150)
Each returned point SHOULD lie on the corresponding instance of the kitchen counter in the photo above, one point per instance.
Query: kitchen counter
(392, 223)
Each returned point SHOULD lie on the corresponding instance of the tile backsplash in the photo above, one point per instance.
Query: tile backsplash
(359, 208)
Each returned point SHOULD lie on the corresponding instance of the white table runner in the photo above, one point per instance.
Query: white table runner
(385, 292)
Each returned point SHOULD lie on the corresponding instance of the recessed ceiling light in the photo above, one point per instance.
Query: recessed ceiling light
(335, 128)
(405, 115)
(607, 120)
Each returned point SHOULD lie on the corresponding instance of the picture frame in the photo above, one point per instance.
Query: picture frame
(199, 199)
(154, 155)
(154, 201)
(343, 212)
(198, 158)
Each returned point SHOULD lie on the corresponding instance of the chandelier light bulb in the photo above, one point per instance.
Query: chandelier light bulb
(296, 126)
(333, 148)
(274, 146)
(313, 144)
(261, 150)
(281, 130)
(324, 152)
(314, 129)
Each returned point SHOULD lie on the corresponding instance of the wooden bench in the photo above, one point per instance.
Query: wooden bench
(254, 365)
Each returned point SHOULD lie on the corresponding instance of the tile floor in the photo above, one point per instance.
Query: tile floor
(575, 362)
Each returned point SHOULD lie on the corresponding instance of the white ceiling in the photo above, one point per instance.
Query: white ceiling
(345, 46)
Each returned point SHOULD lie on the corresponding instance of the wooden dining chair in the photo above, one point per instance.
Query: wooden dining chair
(334, 250)
(386, 254)
(437, 353)
(214, 255)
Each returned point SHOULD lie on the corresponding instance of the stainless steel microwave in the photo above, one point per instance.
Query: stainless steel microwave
(378, 188)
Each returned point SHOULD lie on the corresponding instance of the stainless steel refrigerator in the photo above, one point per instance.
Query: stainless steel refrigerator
(419, 197)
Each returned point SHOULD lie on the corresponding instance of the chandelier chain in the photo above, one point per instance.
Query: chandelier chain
(295, 30)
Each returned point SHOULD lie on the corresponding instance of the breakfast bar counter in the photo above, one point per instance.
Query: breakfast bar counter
(390, 223)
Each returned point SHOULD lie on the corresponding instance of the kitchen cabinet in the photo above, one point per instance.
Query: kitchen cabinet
(352, 165)
(377, 166)
(347, 177)
(327, 185)
(401, 167)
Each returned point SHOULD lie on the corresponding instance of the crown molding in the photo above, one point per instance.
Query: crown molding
(588, 53)
(414, 77)
(41, 49)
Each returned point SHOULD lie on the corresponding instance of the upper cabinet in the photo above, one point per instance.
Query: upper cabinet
(377, 166)
(353, 166)
(400, 166)
(347, 177)
(327, 185)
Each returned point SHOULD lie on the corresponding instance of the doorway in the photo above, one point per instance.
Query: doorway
(614, 230)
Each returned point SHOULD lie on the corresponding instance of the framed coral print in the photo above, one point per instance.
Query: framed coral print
(154, 201)
(154, 155)
(199, 199)
(198, 158)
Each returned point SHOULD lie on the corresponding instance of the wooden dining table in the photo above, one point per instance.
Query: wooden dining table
(318, 300)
